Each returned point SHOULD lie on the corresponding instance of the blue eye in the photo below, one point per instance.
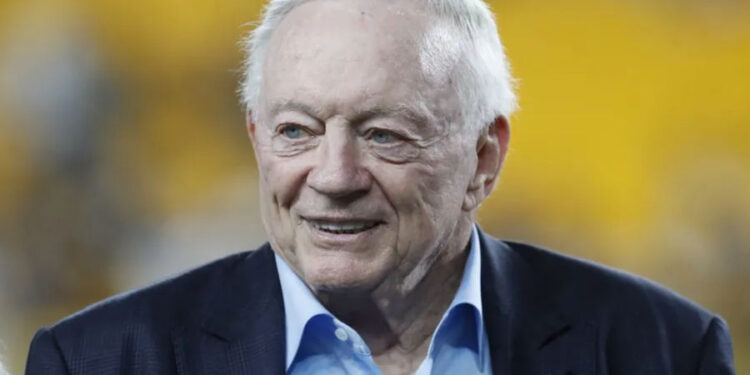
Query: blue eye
(382, 137)
(292, 131)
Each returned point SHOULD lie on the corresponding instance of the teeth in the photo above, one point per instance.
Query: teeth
(343, 228)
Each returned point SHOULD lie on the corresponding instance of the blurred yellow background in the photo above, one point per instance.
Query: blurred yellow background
(124, 158)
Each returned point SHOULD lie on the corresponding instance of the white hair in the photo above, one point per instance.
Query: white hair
(481, 75)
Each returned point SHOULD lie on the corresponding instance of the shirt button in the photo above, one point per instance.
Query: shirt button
(341, 334)
(361, 349)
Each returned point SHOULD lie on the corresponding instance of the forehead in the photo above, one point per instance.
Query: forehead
(353, 54)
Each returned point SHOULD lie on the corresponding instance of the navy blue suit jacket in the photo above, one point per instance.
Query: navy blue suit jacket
(545, 314)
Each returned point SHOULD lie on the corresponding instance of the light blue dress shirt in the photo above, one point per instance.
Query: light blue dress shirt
(318, 343)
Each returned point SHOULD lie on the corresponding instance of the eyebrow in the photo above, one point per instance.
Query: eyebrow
(291, 105)
(418, 116)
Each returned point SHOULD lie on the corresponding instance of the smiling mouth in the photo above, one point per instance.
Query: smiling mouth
(343, 227)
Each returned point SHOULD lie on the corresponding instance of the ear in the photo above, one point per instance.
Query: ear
(250, 125)
(492, 146)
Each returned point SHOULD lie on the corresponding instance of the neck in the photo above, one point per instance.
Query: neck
(403, 314)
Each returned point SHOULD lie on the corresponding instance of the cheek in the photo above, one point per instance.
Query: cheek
(427, 194)
(412, 191)
(282, 178)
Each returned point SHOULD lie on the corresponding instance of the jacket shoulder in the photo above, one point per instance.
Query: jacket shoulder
(168, 301)
(149, 314)
(603, 289)
(133, 332)
(638, 323)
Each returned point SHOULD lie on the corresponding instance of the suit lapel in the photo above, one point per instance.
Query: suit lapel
(528, 330)
(243, 331)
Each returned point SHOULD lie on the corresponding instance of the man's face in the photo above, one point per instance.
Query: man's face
(364, 165)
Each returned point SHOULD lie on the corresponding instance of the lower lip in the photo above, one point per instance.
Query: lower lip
(328, 239)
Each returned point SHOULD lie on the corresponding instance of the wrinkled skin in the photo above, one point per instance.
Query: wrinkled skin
(357, 131)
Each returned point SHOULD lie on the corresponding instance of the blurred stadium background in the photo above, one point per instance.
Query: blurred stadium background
(124, 158)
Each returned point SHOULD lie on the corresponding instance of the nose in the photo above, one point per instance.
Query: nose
(338, 172)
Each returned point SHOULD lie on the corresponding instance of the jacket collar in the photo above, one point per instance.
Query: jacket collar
(242, 330)
(252, 293)
(528, 330)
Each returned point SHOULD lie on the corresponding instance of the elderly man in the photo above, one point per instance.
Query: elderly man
(379, 127)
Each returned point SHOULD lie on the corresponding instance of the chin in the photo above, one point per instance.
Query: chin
(342, 275)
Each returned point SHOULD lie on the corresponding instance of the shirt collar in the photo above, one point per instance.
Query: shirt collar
(469, 293)
(300, 305)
